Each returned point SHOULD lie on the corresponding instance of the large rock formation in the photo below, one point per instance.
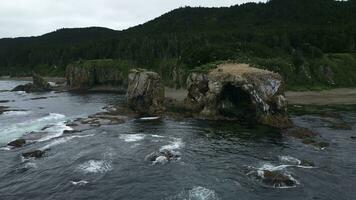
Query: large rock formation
(238, 91)
(103, 75)
(145, 93)
(39, 85)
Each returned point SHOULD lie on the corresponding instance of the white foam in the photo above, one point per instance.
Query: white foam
(52, 84)
(202, 193)
(289, 160)
(160, 160)
(16, 113)
(174, 145)
(30, 165)
(95, 166)
(270, 167)
(149, 118)
(17, 130)
(5, 148)
(157, 136)
(132, 137)
(63, 140)
(22, 93)
(55, 131)
(79, 183)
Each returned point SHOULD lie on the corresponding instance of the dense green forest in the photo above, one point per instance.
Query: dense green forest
(310, 42)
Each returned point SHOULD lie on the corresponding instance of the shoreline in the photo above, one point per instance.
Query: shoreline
(337, 96)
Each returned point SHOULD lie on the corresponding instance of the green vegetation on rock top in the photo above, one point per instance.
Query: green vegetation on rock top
(311, 43)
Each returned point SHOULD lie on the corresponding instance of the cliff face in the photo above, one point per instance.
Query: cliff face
(145, 93)
(86, 77)
(239, 91)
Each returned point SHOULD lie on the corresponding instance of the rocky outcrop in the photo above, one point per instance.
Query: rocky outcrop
(239, 91)
(33, 154)
(95, 76)
(39, 84)
(145, 93)
(17, 143)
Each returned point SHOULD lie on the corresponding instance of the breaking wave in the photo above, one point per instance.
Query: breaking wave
(14, 131)
(132, 137)
(95, 166)
(196, 193)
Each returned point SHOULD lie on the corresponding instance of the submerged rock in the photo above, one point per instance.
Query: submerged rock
(33, 154)
(300, 133)
(307, 137)
(17, 143)
(239, 91)
(145, 93)
(38, 85)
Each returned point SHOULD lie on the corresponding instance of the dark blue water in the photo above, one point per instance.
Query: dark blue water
(108, 162)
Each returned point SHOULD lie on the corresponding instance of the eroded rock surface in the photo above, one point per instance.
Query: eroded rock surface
(39, 85)
(145, 93)
(95, 77)
(239, 91)
(17, 143)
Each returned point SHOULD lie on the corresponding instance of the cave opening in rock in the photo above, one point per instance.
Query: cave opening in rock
(237, 103)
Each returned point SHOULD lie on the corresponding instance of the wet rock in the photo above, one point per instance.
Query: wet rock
(306, 163)
(239, 91)
(145, 93)
(3, 109)
(277, 179)
(70, 131)
(38, 98)
(38, 85)
(162, 157)
(17, 143)
(33, 154)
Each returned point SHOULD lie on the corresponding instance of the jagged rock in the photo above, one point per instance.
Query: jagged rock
(33, 154)
(26, 87)
(17, 143)
(277, 179)
(239, 91)
(38, 85)
(145, 93)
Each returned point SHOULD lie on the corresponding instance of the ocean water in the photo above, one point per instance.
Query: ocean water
(214, 160)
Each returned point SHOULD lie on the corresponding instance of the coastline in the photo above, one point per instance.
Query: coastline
(338, 96)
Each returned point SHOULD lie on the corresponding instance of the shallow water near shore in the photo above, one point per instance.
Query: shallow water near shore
(216, 160)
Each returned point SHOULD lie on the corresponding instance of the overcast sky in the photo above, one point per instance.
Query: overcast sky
(36, 17)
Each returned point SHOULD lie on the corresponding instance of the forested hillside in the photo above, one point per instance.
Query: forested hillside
(310, 42)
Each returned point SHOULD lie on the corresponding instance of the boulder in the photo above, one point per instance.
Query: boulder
(278, 179)
(17, 143)
(239, 91)
(38, 85)
(145, 93)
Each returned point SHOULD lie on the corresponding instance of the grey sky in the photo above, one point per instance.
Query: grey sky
(36, 17)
